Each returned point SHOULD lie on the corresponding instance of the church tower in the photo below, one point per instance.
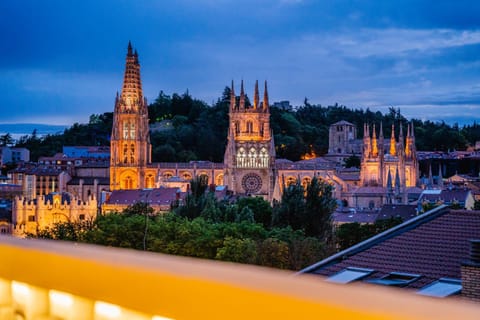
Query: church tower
(130, 149)
(250, 154)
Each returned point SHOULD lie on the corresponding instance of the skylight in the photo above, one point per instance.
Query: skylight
(442, 288)
(349, 275)
(396, 279)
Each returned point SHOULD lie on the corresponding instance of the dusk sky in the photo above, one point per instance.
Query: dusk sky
(61, 61)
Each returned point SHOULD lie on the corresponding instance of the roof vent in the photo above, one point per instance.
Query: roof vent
(475, 251)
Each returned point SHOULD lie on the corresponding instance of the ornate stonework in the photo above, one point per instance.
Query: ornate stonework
(250, 154)
(130, 142)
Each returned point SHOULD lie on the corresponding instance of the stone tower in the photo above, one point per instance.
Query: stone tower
(130, 149)
(250, 153)
(340, 137)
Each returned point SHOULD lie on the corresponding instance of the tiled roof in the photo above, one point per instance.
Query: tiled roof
(447, 195)
(350, 176)
(404, 211)
(89, 181)
(158, 196)
(432, 245)
(370, 190)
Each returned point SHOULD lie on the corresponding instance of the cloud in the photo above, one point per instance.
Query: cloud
(398, 42)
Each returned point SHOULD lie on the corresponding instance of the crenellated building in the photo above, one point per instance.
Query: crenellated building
(29, 216)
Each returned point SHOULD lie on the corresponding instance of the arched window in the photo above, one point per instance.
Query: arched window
(125, 153)
(125, 130)
(241, 158)
(167, 175)
(149, 181)
(236, 124)
(249, 126)
(305, 182)
(186, 175)
(132, 153)
(219, 180)
(252, 158)
(132, 131)
(263, 158)
(128, 183)
(290, 181)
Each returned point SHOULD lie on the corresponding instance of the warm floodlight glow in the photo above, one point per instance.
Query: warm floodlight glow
(60, 299)
(107, 310)
(160, 318)
(20, 289)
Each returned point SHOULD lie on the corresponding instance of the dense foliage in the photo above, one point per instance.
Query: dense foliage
(189, 123)
(243, 231)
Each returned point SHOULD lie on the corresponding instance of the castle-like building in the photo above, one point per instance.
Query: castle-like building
(388, 173)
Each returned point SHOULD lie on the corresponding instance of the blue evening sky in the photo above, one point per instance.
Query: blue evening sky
(61, 61)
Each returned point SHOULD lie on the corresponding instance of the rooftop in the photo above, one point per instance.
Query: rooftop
(432, 245)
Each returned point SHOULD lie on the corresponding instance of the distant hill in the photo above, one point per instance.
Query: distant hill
(20, 129)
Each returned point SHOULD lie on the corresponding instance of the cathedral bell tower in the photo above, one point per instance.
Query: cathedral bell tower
(130, 149)
(250, 154)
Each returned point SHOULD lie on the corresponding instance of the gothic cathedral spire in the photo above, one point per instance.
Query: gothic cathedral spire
(393, 150)
(256, 97)
(265, 98)
(130, 149)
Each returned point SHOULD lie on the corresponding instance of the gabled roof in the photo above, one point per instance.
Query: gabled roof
(342, 122)
(432, 245)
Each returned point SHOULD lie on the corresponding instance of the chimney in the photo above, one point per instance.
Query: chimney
(471, 273)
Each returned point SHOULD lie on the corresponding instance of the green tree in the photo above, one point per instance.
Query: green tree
(6, 140)
(238, 250)
(319, 206)
(309, 210)
(262, 210)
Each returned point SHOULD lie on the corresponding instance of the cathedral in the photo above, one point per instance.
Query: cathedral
(250, 153)
(130, 148)
(388, 172)
(250, 167)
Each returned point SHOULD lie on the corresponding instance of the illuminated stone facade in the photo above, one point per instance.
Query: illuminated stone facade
(250, 154)
(396, 166)
(29, 216)
(130, 149)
